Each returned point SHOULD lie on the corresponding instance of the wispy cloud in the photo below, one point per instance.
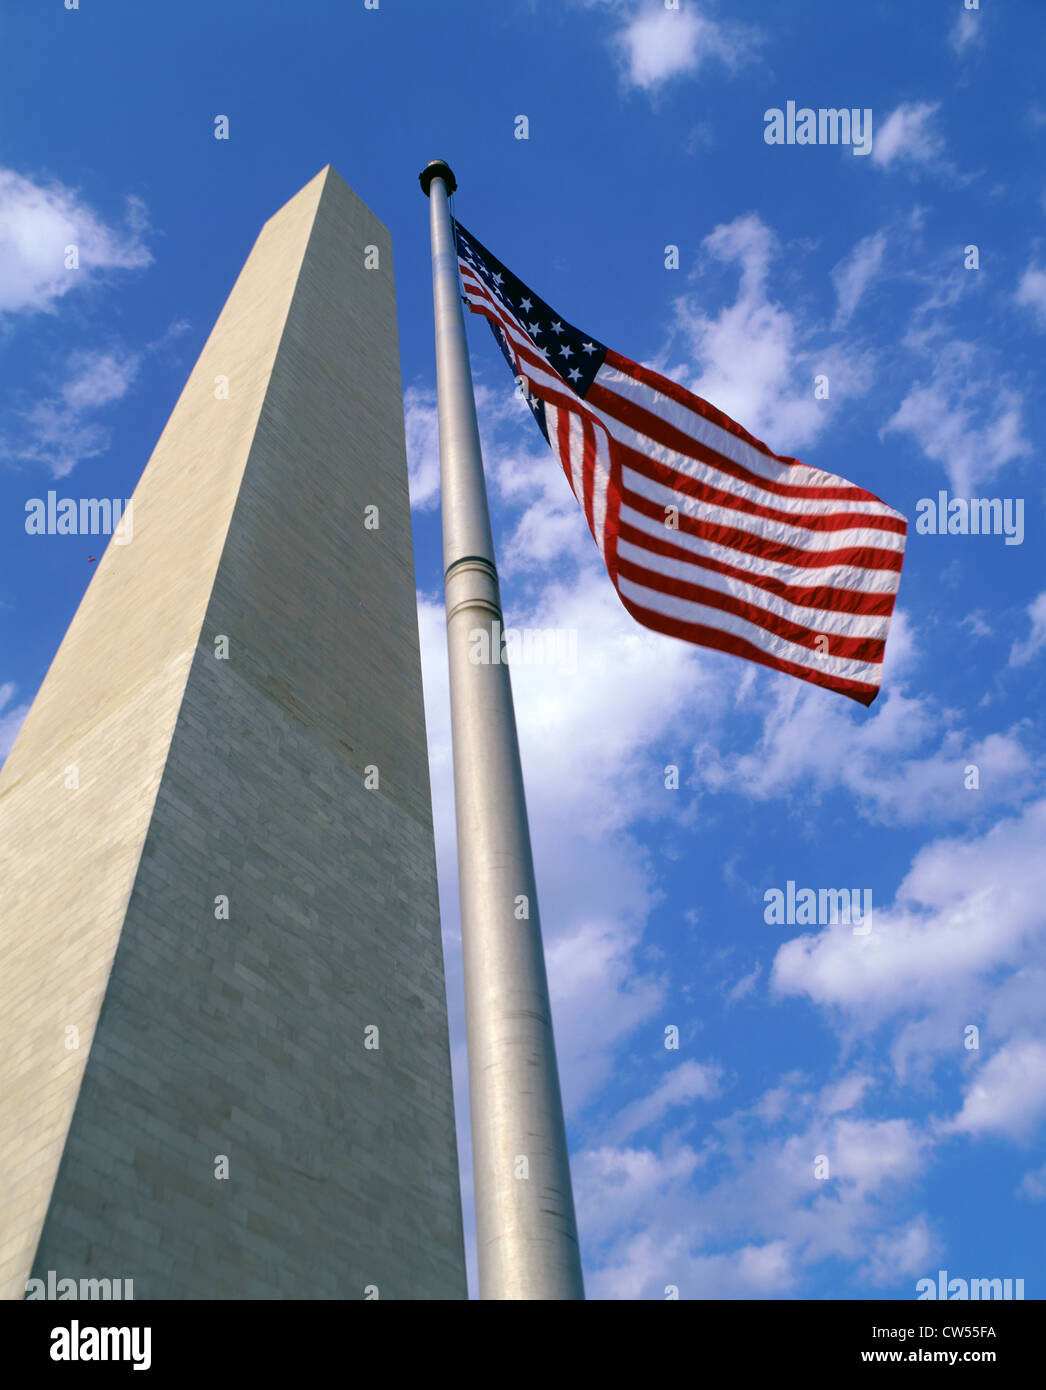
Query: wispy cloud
(687, 1082)
(656, 43)
(765, 1217)
(901, 1253)
(907, 136)
(1008, 1094)
(1031, 293)
(38, 223)
(962, 418)
(745, 985)
(755, 359)
(963, 940)
(11, 717)
(422, 428)
(852, 276)
(1023, 652)
(809, 743)
(57, 431)
(1033, 1185)
(966, 33)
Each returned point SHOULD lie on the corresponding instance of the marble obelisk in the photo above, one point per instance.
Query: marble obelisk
(224, 1061)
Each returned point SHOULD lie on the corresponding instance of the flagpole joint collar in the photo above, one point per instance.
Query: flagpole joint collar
(437, 169)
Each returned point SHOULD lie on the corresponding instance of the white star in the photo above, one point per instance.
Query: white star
(588, 348)
(557, 328)
(574, 374)
(496, 279)
(525, 305)
(533, 329)
(566, 350)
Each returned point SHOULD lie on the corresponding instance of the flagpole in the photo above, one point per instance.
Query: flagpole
(525, 1225)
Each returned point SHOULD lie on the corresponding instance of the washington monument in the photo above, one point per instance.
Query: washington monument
(224, 1061)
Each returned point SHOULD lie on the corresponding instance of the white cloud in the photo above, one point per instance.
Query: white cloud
(1031, 293)
(932, 317)
(843, 1095)
(967, 911)
(97, 379)
(1022, 652)
(745, 985)
(620, 1189)
(1033, 1185)
(174, 330)
(421, 421)
(902, 1253)
(644, 685)
(686, 1082)
(1008, 1094)
(813, 743)
(550, 527)
(963, 408)
(56, 431)
(870, 1154)
(598, 996)
(514, 474)
(753, 360)
(658, 44)
(907, 135)
(614, 1185)
(11, 719)
(647, 1268)
(853, 275)
(963, 419)
(965, 32)
(37, 222)
(764, 1217)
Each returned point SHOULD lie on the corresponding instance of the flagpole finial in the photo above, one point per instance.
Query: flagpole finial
(437, 169)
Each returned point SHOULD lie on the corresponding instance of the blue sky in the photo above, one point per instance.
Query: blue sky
(692, 1167)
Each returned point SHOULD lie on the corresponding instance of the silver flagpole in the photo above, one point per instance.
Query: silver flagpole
(525, 1224)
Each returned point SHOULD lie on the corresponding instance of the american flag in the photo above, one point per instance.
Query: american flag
(706, 534)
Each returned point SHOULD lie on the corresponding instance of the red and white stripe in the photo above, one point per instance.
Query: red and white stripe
(706, 534)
